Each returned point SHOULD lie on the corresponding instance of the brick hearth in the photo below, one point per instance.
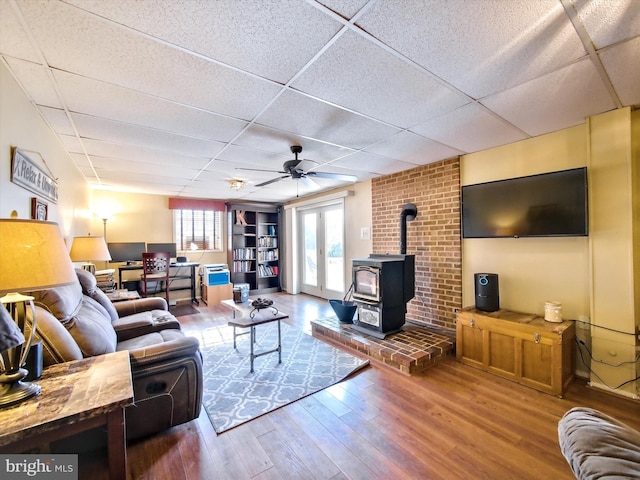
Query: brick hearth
(413, 350)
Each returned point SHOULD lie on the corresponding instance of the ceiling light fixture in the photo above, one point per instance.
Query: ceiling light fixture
(236, 184)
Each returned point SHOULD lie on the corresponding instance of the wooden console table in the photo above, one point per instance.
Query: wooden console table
(75, 396)
(519, 346)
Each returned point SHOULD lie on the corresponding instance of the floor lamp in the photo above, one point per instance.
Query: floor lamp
(33, 257)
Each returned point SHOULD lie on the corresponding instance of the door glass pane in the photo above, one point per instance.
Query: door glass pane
(334, 267)
(310, 276)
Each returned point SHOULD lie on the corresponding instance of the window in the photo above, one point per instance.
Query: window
(198, 229)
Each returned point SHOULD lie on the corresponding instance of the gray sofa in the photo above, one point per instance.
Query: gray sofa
(78, 320)
(598, 446)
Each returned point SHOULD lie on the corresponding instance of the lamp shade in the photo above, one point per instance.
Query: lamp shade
(87, 249)
(33, 256)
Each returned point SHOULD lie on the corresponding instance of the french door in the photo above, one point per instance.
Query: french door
(321, 237)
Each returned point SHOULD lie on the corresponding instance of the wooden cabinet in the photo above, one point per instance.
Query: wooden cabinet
(254, 246)
(521, 347)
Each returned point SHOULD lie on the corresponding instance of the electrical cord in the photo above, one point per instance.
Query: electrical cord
(604, 328)
(581, 343)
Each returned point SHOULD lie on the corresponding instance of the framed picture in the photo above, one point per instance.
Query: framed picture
(39, 209)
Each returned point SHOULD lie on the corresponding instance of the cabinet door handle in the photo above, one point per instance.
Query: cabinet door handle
(472, 323)
(536, 337)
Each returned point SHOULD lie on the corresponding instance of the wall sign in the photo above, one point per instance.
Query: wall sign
(28, 175)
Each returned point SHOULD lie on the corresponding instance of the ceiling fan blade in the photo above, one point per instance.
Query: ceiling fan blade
(334, 176)
(272, 181)
(260, 170)
(290, 165)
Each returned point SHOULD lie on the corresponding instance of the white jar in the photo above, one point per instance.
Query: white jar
(553, 312)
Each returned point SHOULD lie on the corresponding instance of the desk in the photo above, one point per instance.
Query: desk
(250, 318)
(173, 276)
(76, 396)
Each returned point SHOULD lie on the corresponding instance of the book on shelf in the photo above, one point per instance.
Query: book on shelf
(244, 253)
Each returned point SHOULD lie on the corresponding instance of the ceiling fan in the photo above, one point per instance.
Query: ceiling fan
(291, 169)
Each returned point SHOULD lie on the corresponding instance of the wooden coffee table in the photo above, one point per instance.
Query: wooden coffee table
(245, 316)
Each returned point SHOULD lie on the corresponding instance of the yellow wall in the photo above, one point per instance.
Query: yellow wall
(357, 215)
(613, 302)
(531, 270)
(595, 278)
(23, 127)
(137, 217)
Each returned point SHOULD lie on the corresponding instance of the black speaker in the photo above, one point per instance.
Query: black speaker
(487, 292)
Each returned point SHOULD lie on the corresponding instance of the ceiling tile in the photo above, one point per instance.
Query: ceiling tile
(412, 148)
(481, 47)
(554, 101)
(623, 66)
(360, 75)
(149, 157)
(117, 132)
(259, 137)
(305, 116)
(13, 38)
(344, 8)
(372, 163)
(178, 174)
(609, 22)
(100, 99)
(58, 120)
(469, 129)
(75, 41)
(273, 39)
(34, 80)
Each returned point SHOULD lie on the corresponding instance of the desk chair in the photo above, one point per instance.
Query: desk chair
(155, 268)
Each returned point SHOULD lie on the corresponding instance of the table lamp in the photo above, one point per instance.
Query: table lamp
(33, 257)
(88, 249)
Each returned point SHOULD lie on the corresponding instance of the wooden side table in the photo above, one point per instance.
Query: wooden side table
(76, 396)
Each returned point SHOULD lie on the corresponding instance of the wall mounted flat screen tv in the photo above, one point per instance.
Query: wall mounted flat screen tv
(547, 205)
(129, 252)
(163, 247)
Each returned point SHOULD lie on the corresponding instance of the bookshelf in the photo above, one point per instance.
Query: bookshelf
(254, 246)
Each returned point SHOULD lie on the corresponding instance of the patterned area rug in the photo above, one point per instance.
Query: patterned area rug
(233, 395)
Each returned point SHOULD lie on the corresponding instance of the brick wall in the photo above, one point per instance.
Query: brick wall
(433, 237)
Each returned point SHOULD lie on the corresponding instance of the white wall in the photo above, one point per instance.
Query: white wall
(22, 126)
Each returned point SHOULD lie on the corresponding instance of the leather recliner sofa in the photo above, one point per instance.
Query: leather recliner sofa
(78, 320)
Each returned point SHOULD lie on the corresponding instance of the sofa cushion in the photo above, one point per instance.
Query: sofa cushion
(598, 446)
(86, 320)
(62, 302)
(90, 288)
(150, 340)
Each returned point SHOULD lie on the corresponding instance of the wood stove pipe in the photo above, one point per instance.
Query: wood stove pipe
(409, 213)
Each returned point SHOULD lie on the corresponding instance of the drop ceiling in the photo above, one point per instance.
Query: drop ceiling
(178, 97)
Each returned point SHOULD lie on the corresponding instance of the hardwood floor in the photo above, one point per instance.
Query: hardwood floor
(453, 421)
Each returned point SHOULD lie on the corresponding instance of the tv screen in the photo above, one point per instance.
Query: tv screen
(545, 205)
(126, 251)
(163, 247)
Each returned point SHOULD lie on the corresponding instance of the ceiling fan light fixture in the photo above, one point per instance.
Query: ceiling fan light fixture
(236, 184)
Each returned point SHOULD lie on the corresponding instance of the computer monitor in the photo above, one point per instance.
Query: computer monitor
(163, 247)
(128, 252)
